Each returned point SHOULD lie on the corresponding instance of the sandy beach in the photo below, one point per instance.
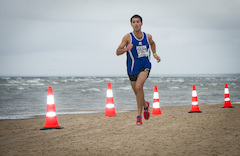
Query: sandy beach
(216, 131)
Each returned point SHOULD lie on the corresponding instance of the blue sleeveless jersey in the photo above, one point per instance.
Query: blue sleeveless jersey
(139, 56)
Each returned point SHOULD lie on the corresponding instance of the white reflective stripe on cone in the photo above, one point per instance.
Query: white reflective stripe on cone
(51, 114)
(155, 95)
(156, 105)
(194, 103)
(110, 105)
(194, 93)
(50, 99)
(227, 99)
(226, 91)
(109, 93)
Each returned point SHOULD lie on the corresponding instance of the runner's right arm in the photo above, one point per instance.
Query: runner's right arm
(124, 46)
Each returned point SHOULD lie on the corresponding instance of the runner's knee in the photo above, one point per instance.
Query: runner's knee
(139, 87)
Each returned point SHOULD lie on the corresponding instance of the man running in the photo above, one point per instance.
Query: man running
(138, 46)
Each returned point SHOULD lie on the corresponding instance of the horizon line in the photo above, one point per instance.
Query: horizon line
(123, 75)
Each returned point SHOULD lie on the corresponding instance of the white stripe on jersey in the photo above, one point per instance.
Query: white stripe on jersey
(131, 55)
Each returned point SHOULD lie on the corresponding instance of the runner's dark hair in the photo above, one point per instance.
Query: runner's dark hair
(136, 16)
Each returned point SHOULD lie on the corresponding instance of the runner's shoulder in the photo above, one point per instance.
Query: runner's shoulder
(149, 35)
(127, 38)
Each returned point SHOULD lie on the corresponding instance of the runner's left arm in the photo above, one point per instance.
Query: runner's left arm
(153, 47)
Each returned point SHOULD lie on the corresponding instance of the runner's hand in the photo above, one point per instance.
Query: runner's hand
(157, 58)
(129, 46)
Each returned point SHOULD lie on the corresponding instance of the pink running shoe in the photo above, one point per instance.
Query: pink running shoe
(146, 112)
(139, 120)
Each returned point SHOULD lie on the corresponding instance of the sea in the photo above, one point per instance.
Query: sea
(26, 97)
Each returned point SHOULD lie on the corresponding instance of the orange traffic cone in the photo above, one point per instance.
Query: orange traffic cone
(156, 104)
(194, 108)
(227, 101)
(51, 117)
(110, 109)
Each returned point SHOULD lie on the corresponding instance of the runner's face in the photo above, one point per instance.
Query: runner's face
(136, 24)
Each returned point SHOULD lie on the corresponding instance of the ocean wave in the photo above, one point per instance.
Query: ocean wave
(32, 84)
(96, 81)
(93, 90)
(84, 90)
(38, 84)
(5, 78)
(173, 87)
(84, 80)
(108, 80)
(157, 80)
(210, 78)
(14, 81)
(122, 79)
(175, 80)
(37, 80)
(54, 82)
(213, 84)
(24, 82)
(167, 80)
(63, 81)
(125, 88)
(20, 88)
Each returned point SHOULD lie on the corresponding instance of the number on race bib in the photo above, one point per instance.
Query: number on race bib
(142, 51)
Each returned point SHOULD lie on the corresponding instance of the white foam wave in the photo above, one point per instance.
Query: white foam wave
(108, 79)
(64, 81)
(6, 78)
(20, 88)
(213, 84)
(54, 82)
(34, 80)
(175, 80)
(125, 88)
(122, 79)
(157, 81)
(14, 82)
(93, 90)
(83, 90)
(173, 87)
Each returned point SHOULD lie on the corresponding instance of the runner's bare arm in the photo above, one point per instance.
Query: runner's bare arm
(153, 47)
(124, 46)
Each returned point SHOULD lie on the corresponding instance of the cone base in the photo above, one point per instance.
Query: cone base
(156, 111)
(110, 112)
(51, 128)
(195, 112)
(228, 107)
(110, 115)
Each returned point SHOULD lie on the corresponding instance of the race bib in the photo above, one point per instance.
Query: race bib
(142, 51)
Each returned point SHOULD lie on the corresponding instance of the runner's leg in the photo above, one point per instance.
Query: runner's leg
(133, 83)
(139, 90)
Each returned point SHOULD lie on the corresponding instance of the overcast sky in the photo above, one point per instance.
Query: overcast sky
(80, 37)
